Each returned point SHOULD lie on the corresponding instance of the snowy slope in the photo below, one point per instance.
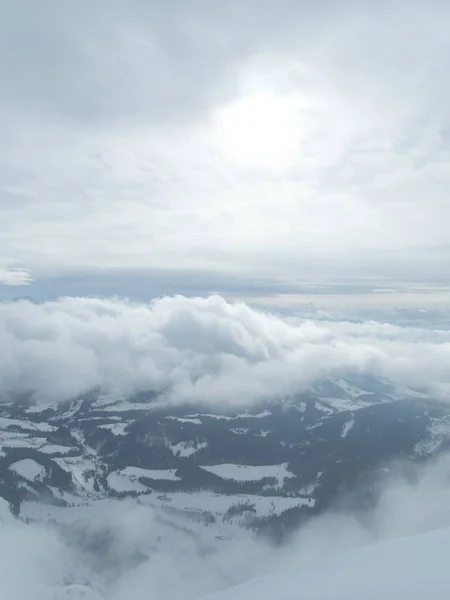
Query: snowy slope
(266, 468)
(195, 486)
(250, 472)
(403, 569)
(28, 469)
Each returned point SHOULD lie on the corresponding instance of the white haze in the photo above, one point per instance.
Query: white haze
(56, 568)
(201, 349)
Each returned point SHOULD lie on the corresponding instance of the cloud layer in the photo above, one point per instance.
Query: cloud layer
(111, 117)
(202, 349)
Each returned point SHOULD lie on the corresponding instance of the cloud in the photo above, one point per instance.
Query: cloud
(14, 277)
(120, 549)
(114, 161)
(36, 551)
(409, 501)
(202, 350)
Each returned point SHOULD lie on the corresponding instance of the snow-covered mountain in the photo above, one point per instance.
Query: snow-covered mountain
(209, 478)
(264, 469)
(410, 568)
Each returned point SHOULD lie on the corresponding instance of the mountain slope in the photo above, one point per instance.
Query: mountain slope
(409, 569)
(266, 469)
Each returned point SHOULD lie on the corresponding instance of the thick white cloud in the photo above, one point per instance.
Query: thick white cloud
(114, 157)
(202, 349)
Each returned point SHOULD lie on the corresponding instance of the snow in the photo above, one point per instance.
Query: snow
(164, 474)
(209, 416)
(125, 407)
(347, 427)
(410, 568)
(261, 415)
(20, 440)
(351, 390)
(315, 426)
(5, 512)
(250, 472)
(12, 435)
(309, 489)
(186, 449)
(110, 418)
(186, 420)
(245, 415)
(39, 511)
(122, 483)
(126, 480)
(44, 427)
(74, 408)
(437, 432)
(219, 504)
(345, 404)
(55, 449)
(27, 425)
(96, 509)
(115, 428)
(39, 408)
(29, 469)
(427, 447)
(77, 466)
(324, 409)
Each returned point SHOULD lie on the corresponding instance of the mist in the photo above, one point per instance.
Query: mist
(112, 556)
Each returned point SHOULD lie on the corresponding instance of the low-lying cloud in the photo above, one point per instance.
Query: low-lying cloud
(202, 350)
(111, 553)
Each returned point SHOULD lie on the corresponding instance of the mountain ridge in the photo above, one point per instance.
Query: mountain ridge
(276, 464)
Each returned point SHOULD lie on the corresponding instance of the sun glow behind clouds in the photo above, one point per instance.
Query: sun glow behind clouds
(260, 130)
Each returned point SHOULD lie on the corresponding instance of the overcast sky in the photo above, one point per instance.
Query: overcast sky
(237, 147)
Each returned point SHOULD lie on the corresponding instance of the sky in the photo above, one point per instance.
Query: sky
(276, 152)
